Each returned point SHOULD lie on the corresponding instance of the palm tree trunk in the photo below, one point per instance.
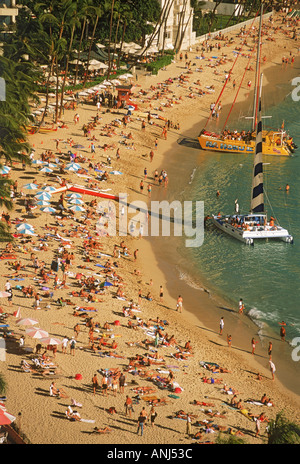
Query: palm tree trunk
(79, 50)
(122, 41)
(89, 52)
(110, 33)
(66, 70)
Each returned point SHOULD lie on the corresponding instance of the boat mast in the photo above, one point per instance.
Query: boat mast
(257, 68)
(257, 196)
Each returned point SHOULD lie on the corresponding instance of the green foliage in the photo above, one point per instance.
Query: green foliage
(229, 440)
(3, 385)
(160, 62)
(283, 432)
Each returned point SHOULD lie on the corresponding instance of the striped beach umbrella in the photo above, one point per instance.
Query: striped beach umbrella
(48, 209)
(50, 341)
(27, 321)
(76, 208)
(43, 196)
(5, 417)
(74, 195)
(72, 167)
(48, 188)
(31, 186)
(75, 201)
(46, 169)
(43, 203)
(35, 332)
(25, 228)
(4, 170)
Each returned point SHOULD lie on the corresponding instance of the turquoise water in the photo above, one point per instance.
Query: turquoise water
(266, 276)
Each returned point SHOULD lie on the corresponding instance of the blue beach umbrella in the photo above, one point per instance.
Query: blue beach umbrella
(48, 188)
(75, 201)
(74, 195)
(46, 169)
(43, 196)
(72, 167)
(4, 170)
(76, 208)
(25, 228)
(106, 284)
(43, 203)
(48, 209)
(31, 186)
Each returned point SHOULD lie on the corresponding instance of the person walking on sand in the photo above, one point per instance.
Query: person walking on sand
(241, 306)
(188, 425)
(152, 416)
(95, 383)
(128, 406)
(272, 369)
(161, 294)
(179, 303)
(253, 344)
(270, 350)
(72, 346)
(141, 421)
(229, 340)
(221, 325)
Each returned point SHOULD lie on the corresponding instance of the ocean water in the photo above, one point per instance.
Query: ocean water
(267, 275)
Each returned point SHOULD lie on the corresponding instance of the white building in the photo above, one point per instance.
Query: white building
(8, 13)
(177, 28)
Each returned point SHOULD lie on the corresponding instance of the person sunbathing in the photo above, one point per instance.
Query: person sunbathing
(105, 430)
(72, 415)
(211, 380)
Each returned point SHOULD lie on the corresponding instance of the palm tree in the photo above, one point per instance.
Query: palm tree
(74, 22)
(98, 11)
(3, 385)
(283, 432)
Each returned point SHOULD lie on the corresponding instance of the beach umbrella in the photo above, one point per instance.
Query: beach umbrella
(106, 284)
(31, 186)
(51, 165)
(4, 170)
(48, 209)
(43, 203)
(73, 167)
(48, 188)
(46, 169)
(25, 228)
(35, 332)
(4, 294)
(116, 173)
(43, 196)
(37, 162)
(27, 321)
(5, 417)
(76, 208)
(74, 195)
(50, 341)
(75, 201)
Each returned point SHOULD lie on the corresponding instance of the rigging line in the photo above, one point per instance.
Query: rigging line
(227, 80)
(233, 103)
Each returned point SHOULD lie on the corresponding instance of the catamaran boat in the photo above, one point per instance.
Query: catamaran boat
(255, 225)
(274, 142)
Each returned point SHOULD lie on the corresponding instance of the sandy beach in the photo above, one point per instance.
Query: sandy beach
(163, 371)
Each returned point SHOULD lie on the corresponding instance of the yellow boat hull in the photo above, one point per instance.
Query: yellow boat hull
(208, 142)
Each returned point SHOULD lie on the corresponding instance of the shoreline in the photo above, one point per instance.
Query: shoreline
(214, 298)
(43, 418)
